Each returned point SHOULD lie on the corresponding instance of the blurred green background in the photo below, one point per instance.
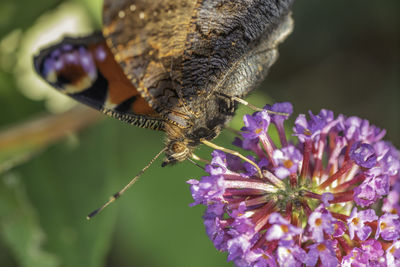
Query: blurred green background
(343, 55)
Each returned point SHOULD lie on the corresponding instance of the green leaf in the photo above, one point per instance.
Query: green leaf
(19, 225)
(63, 184)
(20, 13)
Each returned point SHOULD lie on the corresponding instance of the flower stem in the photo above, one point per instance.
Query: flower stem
(347, 166)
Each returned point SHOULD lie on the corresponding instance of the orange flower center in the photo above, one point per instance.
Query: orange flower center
(288, 163)
(307, 132)
(321, 247)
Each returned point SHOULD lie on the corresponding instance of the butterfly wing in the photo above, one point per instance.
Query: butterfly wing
(147, 39)
(232, 44)
(84, 69)
(180, 53)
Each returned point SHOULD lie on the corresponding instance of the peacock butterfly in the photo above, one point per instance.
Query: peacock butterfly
(173, 66)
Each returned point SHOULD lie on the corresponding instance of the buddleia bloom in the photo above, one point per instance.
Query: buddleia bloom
(329, 195)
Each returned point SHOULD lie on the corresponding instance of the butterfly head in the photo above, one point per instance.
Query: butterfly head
(177, 151)
(182, 141)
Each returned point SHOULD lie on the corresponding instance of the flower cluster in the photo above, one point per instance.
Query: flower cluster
(328, 196)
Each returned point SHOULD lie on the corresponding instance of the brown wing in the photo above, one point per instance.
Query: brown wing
(147, 39)
(178, 53)
(84, 69)
(232, 44)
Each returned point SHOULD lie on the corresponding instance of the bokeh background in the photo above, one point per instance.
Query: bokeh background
(343, 55)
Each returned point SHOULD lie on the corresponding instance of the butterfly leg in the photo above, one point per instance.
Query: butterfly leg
(251, 106)
(237, 99)
(233, 152)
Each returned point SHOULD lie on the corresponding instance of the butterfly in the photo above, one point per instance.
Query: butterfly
(175, 66)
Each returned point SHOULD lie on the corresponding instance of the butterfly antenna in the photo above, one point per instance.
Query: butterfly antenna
(195, 163)
(244, 102)
(234, 131)
(195, 157)
(118, 194)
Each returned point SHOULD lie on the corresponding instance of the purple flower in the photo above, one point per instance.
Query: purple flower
(380, 181)
(281, 230)
(284, 107)
(364, 195)
(257, 258)
(289, 161)
(324, 251)
(311, 129)
(360, 130)
(208, 191)
(326, 197)
(250, 170)
(388, 227)
(339, 228)
(308, 207)
(320, 222)
(373, 188)
(255, 125)
(388, 158)
(372, 249)
(363, 155)
(247, 144)
(278, 120)
(355, 258)
(291, 256)
(356, 223)
(393, 254)
(215, 230)
(392, 203)
(237, 247)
